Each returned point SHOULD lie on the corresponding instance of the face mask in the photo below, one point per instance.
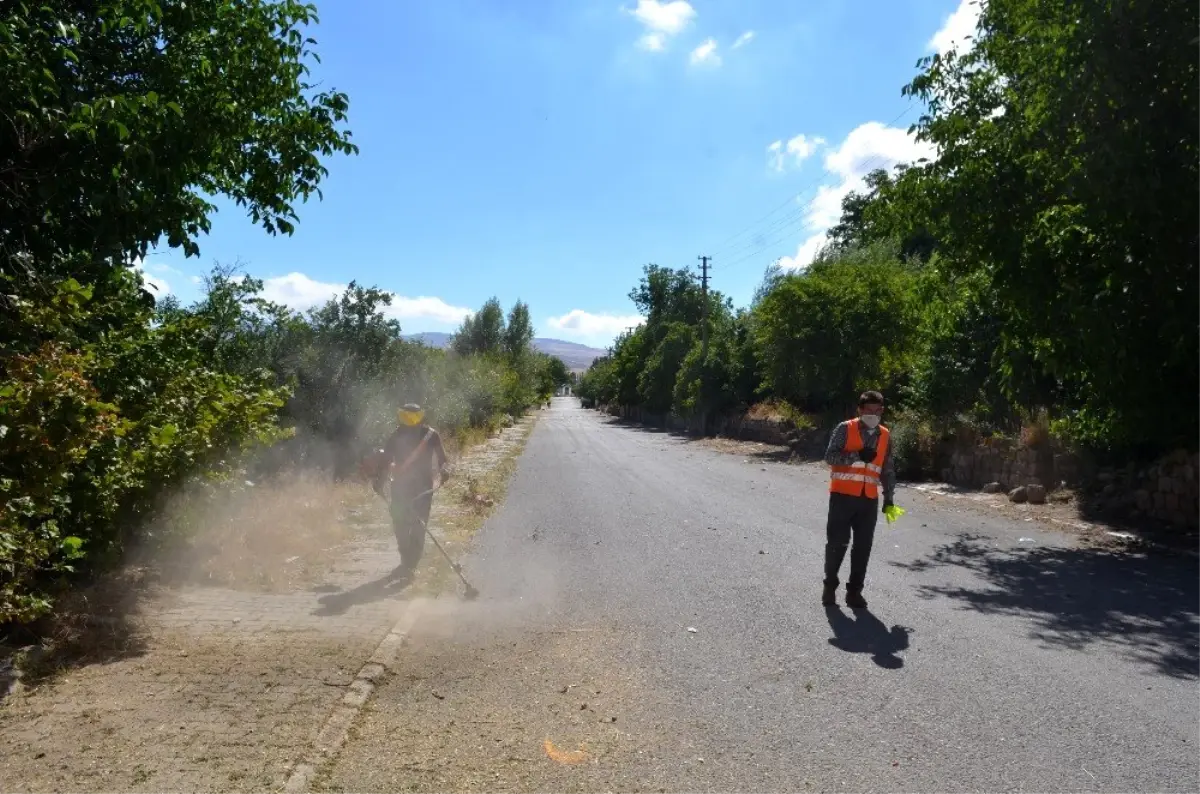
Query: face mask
(870, 420)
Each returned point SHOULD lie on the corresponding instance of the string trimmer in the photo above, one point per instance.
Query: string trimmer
(469, 591)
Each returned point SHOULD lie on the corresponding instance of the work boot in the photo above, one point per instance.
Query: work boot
(855, 600)
(829, 596)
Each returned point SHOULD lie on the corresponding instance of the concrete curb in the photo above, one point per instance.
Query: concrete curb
(337, 726)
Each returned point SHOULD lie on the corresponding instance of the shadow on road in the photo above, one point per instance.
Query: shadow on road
(766, 453)
(390, 584)
(867, 634)
(1145, 604)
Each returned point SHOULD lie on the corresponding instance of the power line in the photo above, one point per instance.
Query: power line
(724, 248)
(790, 227)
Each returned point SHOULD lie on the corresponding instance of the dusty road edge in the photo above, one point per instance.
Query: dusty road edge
(336, 729)
(337, 726)
(1113, 535)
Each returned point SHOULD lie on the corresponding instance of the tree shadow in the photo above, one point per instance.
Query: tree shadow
(652, 429)
(389, 585)
(99, 623)
(1144, 605)
(867, 634)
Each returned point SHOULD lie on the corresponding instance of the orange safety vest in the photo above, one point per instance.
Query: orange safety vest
(860, 479)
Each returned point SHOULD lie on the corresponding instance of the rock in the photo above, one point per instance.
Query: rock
(1105, 476)
(1164, 484)
(1036, 494)
(1019, 495)
(1109, 489)
(993, 487)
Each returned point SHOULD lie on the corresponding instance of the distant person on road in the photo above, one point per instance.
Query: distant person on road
(407, 460)
(860, 457)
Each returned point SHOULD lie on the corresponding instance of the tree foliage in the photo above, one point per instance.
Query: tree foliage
(1044, 260)
(124, 120)
(1067, 174)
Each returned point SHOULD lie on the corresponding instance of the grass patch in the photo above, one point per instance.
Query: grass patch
(266, 537)
(780, 410)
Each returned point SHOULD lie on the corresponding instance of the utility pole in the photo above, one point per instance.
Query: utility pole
(704, 307)
(704, 331)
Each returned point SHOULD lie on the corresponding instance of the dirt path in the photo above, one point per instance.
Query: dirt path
(225, 688)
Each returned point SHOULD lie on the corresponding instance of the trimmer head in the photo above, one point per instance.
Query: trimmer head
(470, 593)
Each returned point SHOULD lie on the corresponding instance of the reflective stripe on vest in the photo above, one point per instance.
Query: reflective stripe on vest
(859, 478)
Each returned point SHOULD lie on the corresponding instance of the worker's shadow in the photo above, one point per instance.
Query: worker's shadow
(867, 634)
(388, 585)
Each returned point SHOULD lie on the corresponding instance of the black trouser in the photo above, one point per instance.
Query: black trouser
(410, 514)
(846, 514)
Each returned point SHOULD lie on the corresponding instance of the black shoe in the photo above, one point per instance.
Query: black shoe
(829, 596)
(855, 600)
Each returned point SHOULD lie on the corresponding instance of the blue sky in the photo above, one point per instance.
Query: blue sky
(548, 150)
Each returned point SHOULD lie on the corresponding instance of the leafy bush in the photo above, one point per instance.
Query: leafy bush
(914, 446)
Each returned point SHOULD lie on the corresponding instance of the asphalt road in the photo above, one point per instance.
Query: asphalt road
(996, 654)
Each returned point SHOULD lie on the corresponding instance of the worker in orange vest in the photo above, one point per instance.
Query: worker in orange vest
(860, 458)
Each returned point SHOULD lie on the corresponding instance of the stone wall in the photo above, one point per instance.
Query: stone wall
(1000, 461)
(1168, 490)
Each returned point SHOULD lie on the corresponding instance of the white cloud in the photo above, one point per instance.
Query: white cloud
(426, 308)
(957, 27)
(743, 39)
(799, 149)
(669, 18)
(805, 254)
(196, 280)
(653, 42)
(301, 292)
(868, 147)
(775, 156)
(158, 286)
(582, 325)
(706, 53)
(661, 21)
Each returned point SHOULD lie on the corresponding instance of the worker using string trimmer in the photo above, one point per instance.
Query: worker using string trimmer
(408, 457)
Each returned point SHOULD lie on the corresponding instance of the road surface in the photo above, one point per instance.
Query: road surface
(651, 621)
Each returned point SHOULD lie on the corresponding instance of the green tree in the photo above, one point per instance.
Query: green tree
(124, 117)
(656, 382)
(482, 332)
(518, 333)
(1067, 172)
(845, 324)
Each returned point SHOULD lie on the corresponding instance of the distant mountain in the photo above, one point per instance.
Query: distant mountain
(575, 356)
